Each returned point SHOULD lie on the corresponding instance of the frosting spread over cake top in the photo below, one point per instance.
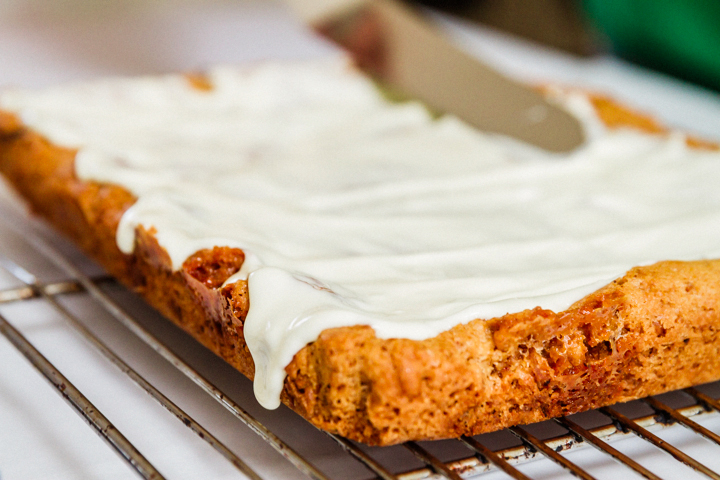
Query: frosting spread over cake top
(355, 211)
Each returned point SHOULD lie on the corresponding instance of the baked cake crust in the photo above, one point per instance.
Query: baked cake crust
(651, 331)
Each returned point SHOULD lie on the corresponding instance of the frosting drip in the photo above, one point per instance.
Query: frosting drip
(354, 211)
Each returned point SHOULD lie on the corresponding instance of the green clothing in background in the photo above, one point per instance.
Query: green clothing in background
(680, 37)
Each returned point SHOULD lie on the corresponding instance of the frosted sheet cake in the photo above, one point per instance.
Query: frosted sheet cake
(387, 274)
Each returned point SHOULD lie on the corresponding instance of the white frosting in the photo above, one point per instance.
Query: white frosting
(355, 211)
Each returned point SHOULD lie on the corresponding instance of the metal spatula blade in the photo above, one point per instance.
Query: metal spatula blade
(396, 45)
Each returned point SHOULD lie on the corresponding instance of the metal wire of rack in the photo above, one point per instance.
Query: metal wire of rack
(481, 458)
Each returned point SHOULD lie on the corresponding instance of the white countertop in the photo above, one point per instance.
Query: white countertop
(40, 436)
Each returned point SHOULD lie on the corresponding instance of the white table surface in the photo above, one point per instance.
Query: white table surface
(40, 436)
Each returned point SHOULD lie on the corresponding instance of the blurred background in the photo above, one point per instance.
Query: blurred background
(661, 57)
(677, 37)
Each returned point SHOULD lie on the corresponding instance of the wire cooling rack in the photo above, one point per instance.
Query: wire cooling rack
(477, 455)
